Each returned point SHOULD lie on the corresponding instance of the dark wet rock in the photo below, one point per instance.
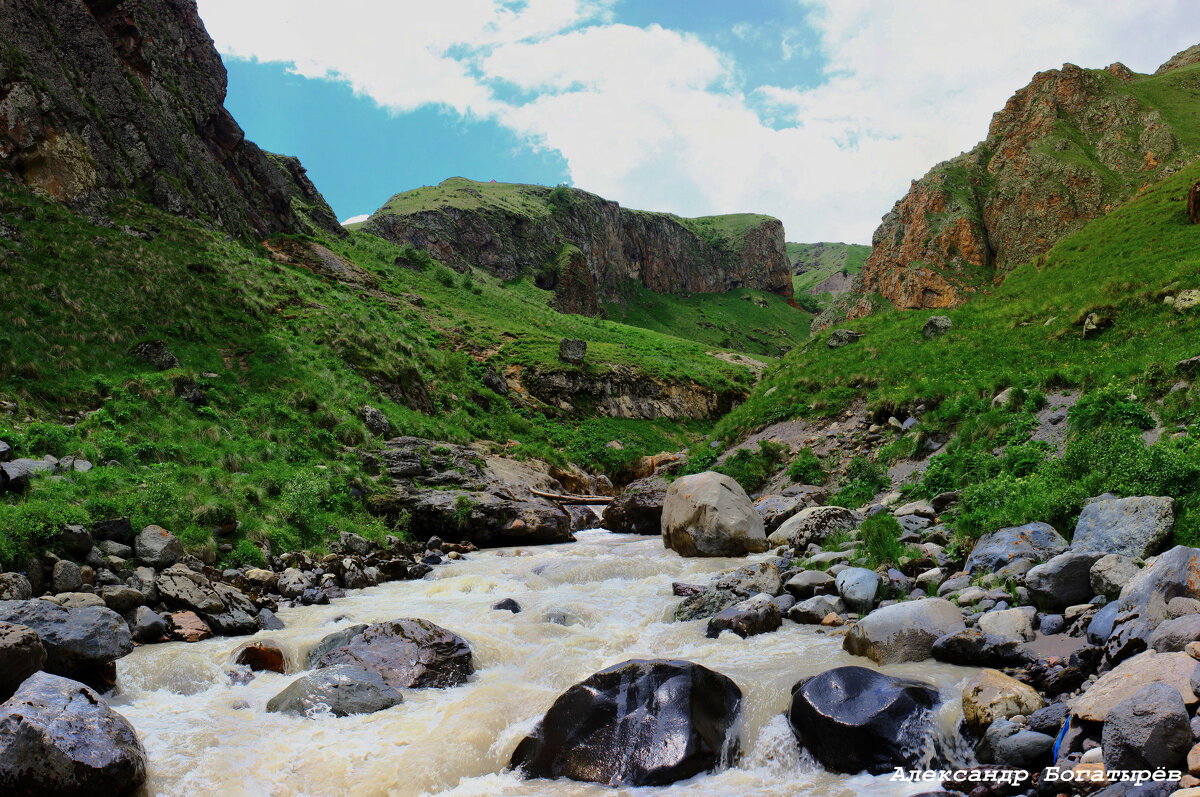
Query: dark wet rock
(758, 615)
(854, 719)
(638, 509)
(1049, 719)
(74, 540)
(729, 588)
(1036, 541)
(340, 689)
(1147, 730)
(156, 547)
(77, 641)
(238, 615)
(58, 737)
(970, 647)
(1101, 624)
(1132, 527)
(114, 529)
(408, 653)
(21, 655)
(1008, 744)
(638, 723)
(815, 609)
(808, 583)
(267, 621)
(507, 605)
(147, 625)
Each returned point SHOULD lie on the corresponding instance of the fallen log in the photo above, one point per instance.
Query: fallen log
(573, 499)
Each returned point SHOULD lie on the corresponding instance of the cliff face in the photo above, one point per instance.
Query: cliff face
(105, 99)
(588, 249)
(1065, 149)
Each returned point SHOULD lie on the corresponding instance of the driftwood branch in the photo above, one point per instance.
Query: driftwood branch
(573, 499)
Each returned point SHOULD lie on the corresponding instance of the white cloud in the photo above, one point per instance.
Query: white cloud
(654, 117)
(356, 219)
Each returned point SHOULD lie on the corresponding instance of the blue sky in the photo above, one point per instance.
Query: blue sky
(817, 111)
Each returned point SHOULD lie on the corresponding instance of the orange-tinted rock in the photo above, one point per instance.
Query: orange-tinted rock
(188, 627)
(260, 656)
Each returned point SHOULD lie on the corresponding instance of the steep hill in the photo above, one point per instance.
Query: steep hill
(588, 250)
(825, 267)
(1067, 148)
(113, 99)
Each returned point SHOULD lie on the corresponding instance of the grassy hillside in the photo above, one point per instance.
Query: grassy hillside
(1029, 333)
(283, 353)
(537, 202)
(822, 260)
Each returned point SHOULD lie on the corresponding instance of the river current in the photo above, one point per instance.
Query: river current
(205, 734)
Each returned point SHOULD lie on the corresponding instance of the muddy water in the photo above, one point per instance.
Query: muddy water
(208, 736)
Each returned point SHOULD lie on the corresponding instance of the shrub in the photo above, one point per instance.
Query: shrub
(806, 468)
(46, 438)
(244, 553)
(864, 478)
(750, 468)
(881, 539)
(1109, 406)
(32, 523)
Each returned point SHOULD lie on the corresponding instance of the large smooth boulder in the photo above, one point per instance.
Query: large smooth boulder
(709, 514)
(776, 509)
(1014, 624)
(638, 723)
(814, 524)
(903, 631)
(1034, 541)
(1173, 635)
(332, 641)
(858, 587)
(408, 653)
(342, 689)
(1132, 527)
(1173, 669)
(1143, 602)
(58, 737)
(15, 587)
(180, 587)
(758, 615)
(808, 583)
(638, 509)
(21, 655)
(992, 695)
(156, 547)
(1147, 730)
(1063, 580)
(812, 611)
(972, 647)
(77, 641)
(1111, 573)
(853, 719)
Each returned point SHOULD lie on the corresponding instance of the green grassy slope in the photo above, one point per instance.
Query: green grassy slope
(286, 357)
(1028, 333)
(822, 260)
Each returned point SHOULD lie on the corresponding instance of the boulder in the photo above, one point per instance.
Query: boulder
(1035, 541)
(843, 337)
(1101, 625)
(341, 690)
(77, 641)
(117, 529)
(58, 737)
(815, 609)
(638, 509)
(854, 719)
(1014, 624)
(66, 577)
(1173, 635)
(992, 695)
(1009, 745)
(572, 351)
(1063, 580)
(376, 422)
(1171, 575)
(329, 642)
(15, 587)
(156, 547)
(903, 631)
(709, 514)
(1132, 527)
(971, 647)
(775, 509)
(267, 621)
(238, 615)
(858, 587)
(147, 626)
(808, 583)
(1173, 669)
(408, 653)
(638, 723)
(187, 627)
(1147, 730)
(21, 655)
(1111, 573)
(182, 588)
(121, 599)
(292, 583)
(814, 524)
(758, 615)
(937, 325)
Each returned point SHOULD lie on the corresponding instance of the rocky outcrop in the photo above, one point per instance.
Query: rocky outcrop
(638, 723)
(624, 393)
(589, 250)
(107, 99)
(1064, 150)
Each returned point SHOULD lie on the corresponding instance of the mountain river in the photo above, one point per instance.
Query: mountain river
(206, 735)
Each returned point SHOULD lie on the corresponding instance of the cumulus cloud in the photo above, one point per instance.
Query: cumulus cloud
(661, 119)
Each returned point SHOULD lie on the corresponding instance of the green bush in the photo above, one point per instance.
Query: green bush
(244, 553)
(752, 469)
(806, 468)
(32, 523)
(46, 438)
(880, 536)
(1109, 406)
(864, 479)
